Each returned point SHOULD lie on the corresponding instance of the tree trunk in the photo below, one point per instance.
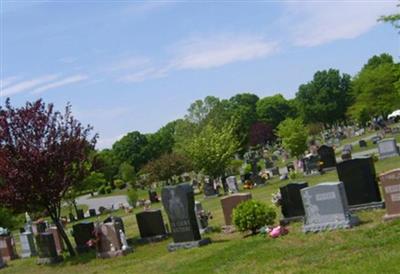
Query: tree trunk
(64, 236)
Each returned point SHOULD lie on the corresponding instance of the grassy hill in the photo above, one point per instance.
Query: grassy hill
(371, 247)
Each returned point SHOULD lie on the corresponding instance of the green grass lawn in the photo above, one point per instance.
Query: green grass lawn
(372, 247)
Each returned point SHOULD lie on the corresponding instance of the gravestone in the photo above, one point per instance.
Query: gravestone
(390, 182)
(178, 202)
(2, 263)
(326, 208)
(388, 148)
(92, 212)
(153, 197)
(151, 226)
(231, 202)
(359, 179)
(209, 189)
(362, 143)
(47, 251)
(28, 248)
(7, 248)
(346, 155)
(291, 202)
(109, 243)
(327, 156)
(57, 239)
(202, 217)
(39, 227)
(376, 139)
(348, 147)
(290, 167)
(117, 220)
(311, 164)
(83, 233)
(232, 184)
(275, 171)
(80, 215)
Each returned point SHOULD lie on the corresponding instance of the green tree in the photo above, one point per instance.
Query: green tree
(394, 19)
(274, 109)
(294, 135)
(107, 163)
(376, 88)
(199, 110)
(132, 148)
(127, 172)
(326, 98)
(213, 149)
(167, 166)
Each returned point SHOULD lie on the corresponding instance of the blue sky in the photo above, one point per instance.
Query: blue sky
(136, 65)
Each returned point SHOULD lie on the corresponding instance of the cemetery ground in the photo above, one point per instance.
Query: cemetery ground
(371, 247)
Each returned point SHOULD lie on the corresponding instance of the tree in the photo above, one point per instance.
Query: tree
(127, 172)
(294, 135)
(376, 89)
(326, 98)
(107, 163)
(42, 154)
(167, 166)
(199, 110)
(274, 109)
(132, 148)
(394, 19)
(213, 149)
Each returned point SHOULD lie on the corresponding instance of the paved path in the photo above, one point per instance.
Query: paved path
(103, 201)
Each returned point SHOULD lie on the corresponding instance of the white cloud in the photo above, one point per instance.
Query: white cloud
(27, 85)
(8, 81)
(145, 74)
(135, 62)
(60, 83)
(219, 50)
(315, 23)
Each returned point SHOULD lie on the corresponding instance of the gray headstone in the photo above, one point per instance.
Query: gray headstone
(388, 148)
(232, 184)
(326, 207)
(28, 248)
(202, 217)
(209, 189)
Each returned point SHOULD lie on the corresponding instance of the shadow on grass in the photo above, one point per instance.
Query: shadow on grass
(82, 258)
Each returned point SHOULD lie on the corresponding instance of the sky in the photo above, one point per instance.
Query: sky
(137, 65)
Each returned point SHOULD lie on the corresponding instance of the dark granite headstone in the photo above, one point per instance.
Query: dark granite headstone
(291, 203)
(80, 214)
(47, 249)
(178, 202)
(57, 239)
(346, 155)
(92, 212)
(327, 156)
(151, 225)
(290, 167)
(82, 233)
(209, 189)
(39, 227)
(311, 164)
(359, 178)
(362, 143)
(153, 197)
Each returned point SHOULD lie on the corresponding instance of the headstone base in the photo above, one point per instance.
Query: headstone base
(394, 154)
(353, 221)
(112, 254)
(391, 217)
(154, 239)
(50, 260)
(293, 219)
(210, 196)
(186, 245)
(373, 205)
(326, 169)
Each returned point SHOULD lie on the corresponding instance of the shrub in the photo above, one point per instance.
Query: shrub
(252, 215)
(119, 184)
(10, 220)
(132, 197)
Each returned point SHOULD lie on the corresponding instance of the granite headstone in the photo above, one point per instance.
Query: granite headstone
(47, 249)
(7, 248)
(326, 208)
(327, 156)
(151, 225)
(230, 202)
(390, 182)
(291, 202)
(232, 184)
(82, 234)
(359, 179)
(57, 239)
(28, 248)
(388, 148)
(178, 202)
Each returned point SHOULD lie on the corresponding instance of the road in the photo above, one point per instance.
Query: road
(103, 201)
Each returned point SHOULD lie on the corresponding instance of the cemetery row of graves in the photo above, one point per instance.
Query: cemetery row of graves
(327, 205)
